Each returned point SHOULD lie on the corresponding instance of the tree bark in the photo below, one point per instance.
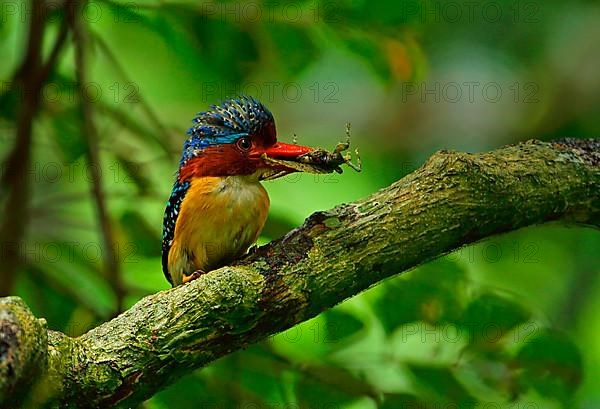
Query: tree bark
(453, 200)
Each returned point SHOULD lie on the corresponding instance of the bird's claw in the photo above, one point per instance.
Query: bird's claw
(196, 274)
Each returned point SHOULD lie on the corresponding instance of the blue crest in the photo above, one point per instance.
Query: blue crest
(225, 123)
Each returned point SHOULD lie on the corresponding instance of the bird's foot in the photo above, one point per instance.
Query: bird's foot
(252, 249)
(193, 276)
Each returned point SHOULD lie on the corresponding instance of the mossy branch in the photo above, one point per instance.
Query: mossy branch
(453, 200)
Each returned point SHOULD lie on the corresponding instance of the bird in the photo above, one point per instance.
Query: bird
(218, 206)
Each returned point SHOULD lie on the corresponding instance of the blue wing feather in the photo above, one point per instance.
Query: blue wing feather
(170, 219)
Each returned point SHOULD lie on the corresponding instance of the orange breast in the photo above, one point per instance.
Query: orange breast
(219, 219)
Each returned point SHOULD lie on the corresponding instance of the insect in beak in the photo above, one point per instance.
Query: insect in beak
(281, 151)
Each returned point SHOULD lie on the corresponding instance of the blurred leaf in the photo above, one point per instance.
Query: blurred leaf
(445, 273)
(432, 293)
(78, 280)
(340, 325)
(45, 298)
(189, 392)
(157, 130)
(10, 97)
(209, 388)
(442, 383)
(497, 373)
(261, 373)
(141, 235)
(144, 274)
(132, 125)
(227, 379)
(80, 321)
(489, 317)
(384, 40)
(329, 387)
(399, 61)
(214, 38)
(402, 401)
(65, 115)
(134, 174)
(235, 69)
(406, 58)
(68, 133)
(388, 15)
(130, 13)
(552, 365)
(372, 50)
(341, 379)
(295, 49)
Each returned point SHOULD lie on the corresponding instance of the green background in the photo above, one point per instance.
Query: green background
(508, 323)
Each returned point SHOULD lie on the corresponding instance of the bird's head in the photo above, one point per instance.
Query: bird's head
(232, 138)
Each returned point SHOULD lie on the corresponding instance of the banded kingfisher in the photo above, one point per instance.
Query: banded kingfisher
(218, 206)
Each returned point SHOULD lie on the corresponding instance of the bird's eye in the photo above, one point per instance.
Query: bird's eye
(244, 144)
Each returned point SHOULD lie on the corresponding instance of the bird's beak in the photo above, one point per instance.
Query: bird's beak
(281, 153)
(287, 151)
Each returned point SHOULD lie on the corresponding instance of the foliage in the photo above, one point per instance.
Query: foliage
(466, 330)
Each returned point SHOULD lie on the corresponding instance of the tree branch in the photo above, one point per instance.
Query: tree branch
(453, 200)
